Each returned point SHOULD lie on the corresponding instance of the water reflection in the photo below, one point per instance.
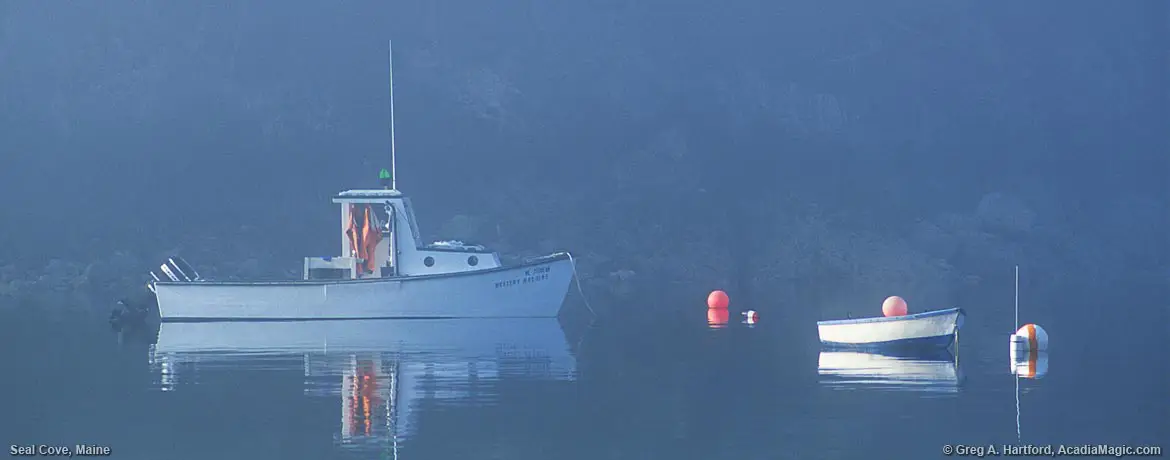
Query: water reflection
(380, 372)
(1030, 364)
(931, 372)
(717, 318)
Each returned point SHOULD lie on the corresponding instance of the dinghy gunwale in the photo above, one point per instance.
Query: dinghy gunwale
(557, 257)
(882, 319)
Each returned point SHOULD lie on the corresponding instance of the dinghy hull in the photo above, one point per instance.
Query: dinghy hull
(927, 330)
(533, 290)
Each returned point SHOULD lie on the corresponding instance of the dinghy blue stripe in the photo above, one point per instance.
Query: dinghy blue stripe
(939, 341)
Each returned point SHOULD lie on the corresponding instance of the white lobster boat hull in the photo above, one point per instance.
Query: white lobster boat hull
(532, 290)
(449, 338)
(932, 329)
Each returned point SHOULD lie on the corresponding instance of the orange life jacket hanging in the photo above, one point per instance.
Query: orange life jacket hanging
(371, 236)
(355, 237)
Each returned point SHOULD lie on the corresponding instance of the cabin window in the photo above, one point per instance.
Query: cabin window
(473, 261)
(429, 261)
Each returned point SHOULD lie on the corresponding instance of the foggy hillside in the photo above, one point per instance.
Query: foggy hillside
(867, 148)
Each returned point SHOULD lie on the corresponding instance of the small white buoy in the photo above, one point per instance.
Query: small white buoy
(750, 317)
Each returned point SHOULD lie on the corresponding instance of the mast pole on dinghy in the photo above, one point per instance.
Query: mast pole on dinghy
(393, 159)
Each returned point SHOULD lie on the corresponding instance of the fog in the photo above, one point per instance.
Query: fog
(772, 149)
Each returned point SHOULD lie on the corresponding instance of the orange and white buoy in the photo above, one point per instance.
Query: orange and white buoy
(1030, 337)
(1029, 345)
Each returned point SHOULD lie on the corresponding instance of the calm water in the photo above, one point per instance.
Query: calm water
(515, 389)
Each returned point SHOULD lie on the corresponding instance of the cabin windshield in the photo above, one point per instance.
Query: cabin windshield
(415, 234)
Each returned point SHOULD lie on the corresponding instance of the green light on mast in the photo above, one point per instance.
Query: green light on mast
(384, 179)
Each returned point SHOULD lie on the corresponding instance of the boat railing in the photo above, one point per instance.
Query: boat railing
(176, 269)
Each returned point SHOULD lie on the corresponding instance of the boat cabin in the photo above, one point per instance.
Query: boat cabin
(380, 239)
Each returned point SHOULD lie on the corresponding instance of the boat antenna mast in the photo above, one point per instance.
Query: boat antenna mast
(393, 159)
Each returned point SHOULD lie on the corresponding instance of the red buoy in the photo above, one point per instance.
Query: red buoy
(894, 306)
(717, 300)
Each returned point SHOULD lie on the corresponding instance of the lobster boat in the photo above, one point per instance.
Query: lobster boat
(383, 272)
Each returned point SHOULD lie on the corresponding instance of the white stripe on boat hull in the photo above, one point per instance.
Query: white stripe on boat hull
(526, 291)
(463, 338)
(866, 332)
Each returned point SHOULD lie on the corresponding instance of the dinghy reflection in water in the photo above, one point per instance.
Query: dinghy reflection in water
(381, 370)
(935, 372)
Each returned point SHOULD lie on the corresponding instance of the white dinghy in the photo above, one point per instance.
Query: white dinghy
(926, 330)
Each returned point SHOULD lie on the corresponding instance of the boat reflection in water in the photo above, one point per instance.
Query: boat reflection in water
(936, 371)
(381, 370)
